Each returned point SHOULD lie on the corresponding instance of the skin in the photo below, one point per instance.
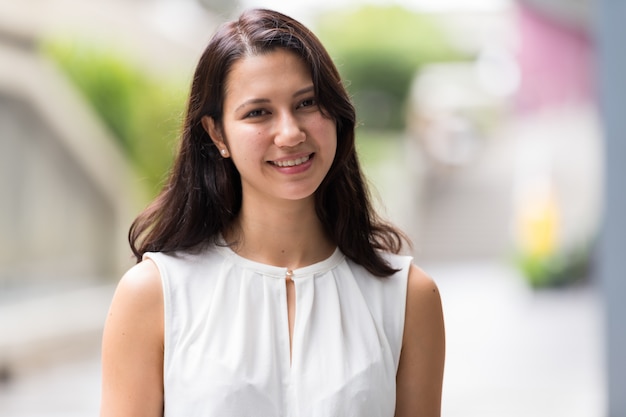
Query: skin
(420, 372)
(270, 114)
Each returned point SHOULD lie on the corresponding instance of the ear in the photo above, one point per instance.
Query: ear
(215, 133)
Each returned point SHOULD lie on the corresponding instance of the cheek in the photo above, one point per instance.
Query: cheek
(245, 140)
(327, 131)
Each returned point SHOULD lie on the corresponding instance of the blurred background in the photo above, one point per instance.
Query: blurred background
(479, 130)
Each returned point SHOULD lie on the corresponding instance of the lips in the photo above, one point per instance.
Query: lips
(292, 162)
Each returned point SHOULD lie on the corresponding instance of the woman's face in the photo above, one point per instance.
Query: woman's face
(273, 129)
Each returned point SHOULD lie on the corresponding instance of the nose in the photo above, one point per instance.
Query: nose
(288, 132)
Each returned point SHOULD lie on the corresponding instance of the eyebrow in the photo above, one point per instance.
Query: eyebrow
(304, 90)
(300, 92)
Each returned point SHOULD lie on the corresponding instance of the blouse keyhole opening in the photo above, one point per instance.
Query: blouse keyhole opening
(291, 307)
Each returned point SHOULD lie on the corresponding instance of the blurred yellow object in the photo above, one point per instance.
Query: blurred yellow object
(538, 224)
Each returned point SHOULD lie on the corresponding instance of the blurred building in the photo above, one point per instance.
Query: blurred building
(556, 54)
(67, 192)
(512, 137)
(62, 182)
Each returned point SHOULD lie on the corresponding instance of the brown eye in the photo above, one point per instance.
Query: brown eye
(309, 102)
(256, 113)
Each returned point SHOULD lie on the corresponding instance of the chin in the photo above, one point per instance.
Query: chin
(299, 195)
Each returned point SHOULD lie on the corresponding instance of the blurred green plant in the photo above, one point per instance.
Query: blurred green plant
(555, 270)
(378, 50)
(141, 109)
(542, 260)
(375, 147)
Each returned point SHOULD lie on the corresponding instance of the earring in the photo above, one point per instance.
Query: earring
(223, 151)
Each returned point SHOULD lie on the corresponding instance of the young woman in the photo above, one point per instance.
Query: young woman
(266, 285)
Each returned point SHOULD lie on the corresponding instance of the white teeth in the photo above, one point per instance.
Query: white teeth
(292, 162)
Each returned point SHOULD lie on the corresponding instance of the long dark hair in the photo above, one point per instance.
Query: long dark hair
(203, 194)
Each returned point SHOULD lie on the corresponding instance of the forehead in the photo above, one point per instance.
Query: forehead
(262, 73)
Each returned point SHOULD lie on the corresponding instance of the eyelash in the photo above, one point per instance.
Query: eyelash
(312, 102)
(256, 113)
(303, 104)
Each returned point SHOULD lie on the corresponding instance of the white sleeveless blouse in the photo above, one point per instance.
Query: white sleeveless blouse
(227, 337)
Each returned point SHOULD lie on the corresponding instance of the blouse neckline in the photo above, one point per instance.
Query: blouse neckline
(281, 272)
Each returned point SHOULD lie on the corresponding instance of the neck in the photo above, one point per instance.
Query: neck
(288, 234)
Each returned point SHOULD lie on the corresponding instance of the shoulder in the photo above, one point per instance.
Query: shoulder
(132, 345)
(424, 315)
(420, 372)
(138, 299)
(142, 283)
(422, 291)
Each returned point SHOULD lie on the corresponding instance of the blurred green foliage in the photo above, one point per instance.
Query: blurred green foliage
(141, 109)
(378, 50)
(560, 269)
(373, 147)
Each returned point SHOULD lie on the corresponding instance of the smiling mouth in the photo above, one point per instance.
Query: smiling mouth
(291, 162)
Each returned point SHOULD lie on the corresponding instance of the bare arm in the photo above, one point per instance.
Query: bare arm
(420, 372)
(132, 346)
